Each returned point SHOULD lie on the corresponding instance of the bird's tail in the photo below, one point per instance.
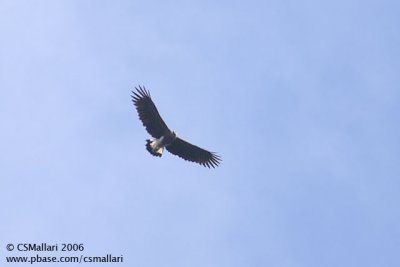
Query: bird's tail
(151, 146)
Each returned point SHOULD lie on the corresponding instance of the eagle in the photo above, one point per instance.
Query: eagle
(163, 137)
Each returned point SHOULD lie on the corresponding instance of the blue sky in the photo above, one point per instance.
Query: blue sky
(300, 98)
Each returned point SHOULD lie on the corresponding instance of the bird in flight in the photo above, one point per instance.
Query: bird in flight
(163, 137)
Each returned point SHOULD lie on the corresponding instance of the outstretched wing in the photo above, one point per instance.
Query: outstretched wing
(193, 153)
(148, 112)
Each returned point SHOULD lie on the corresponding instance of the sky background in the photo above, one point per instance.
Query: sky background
(300, 98)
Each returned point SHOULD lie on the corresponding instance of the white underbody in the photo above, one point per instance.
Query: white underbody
(157, 146)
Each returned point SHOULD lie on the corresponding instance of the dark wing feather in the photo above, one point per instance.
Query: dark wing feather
(193, 153)
(148, 113)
